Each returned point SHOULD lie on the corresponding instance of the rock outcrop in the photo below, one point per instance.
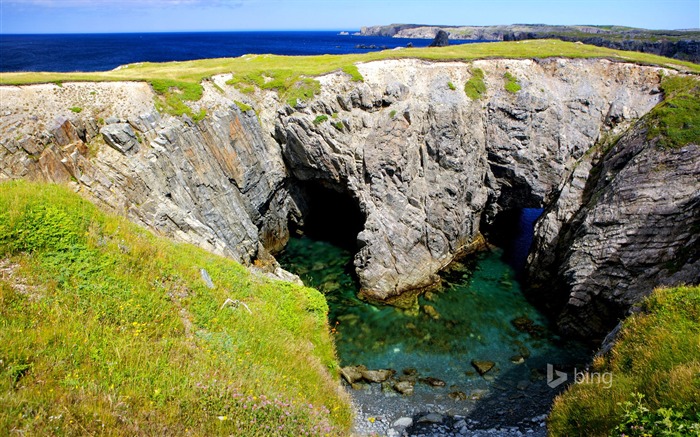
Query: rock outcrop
(442, 39)
(619, 229)
(215, 183)
(426, 166)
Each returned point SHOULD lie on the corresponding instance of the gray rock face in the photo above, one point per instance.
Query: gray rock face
(618, 231)
(218, 183)
(426, 166)
(120, 136)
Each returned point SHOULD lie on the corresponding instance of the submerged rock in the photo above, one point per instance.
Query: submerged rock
(431, 418)
(433, 382)
(483, 367)
(457, 396)
(431, 312)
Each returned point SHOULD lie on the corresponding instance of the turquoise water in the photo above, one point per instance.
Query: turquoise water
(475, 316)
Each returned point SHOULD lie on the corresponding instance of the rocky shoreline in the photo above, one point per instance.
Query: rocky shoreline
(502, 408)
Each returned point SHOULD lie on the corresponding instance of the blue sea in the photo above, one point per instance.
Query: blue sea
(101, 52)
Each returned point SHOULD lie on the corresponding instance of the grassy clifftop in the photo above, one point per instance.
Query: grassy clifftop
(248, 65)
(106, 329)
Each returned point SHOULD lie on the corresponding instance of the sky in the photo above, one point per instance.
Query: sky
(106, 16)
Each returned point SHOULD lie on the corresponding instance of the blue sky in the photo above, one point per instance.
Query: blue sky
(88, 16)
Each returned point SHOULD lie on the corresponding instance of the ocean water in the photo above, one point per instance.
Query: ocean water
(478, 314)
(101, 52)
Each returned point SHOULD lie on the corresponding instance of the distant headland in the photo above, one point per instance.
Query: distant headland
(678, 44)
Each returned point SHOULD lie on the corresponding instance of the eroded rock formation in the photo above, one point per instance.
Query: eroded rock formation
(619, 229)
(426, 166)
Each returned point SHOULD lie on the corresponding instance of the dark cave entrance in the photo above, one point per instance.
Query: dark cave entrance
(516, 210)
(512, 230)
(328, 214)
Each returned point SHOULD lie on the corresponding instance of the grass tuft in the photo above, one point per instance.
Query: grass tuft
(173, 94)
(512, 85)
(475, 86)
(243, 106)
(76, 109)
(353, 72)
(320, 119)
(109, 330)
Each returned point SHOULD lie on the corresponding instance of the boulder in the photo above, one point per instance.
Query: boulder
(404, 387)
(352, 374)
(120, 136)
(377, 376)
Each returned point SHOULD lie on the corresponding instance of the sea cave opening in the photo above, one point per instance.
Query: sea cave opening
(512, 230)
(328, 214)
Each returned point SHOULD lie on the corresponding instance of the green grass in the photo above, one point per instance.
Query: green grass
(243, 106)
(76, 109)
(320, 119)
(293, 76)
(511, 83)
(676, 120)
(657, 359)
(353, 72)
(475, 86)
(309, 66)
(172, 95)
(106, 329)
(292, 87)
(451, 86)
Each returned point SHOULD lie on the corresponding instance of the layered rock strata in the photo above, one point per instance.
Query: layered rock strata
(426, 165)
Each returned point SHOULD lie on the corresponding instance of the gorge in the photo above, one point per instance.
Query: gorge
(398, 164)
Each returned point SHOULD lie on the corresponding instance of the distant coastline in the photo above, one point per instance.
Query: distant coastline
(677, 44)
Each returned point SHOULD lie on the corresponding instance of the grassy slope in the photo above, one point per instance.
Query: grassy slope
(195, 71)
(657, 356)
(105, 328)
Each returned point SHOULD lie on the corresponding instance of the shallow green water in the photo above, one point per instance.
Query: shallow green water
(475, 310)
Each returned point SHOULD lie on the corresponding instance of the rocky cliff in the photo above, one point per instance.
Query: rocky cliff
(217, 183)
(617, 230)
(426, 166)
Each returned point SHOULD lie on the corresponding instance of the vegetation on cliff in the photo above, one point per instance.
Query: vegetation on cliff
(676, 120)
(106, 329)
(292, 77)
(655, 368)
